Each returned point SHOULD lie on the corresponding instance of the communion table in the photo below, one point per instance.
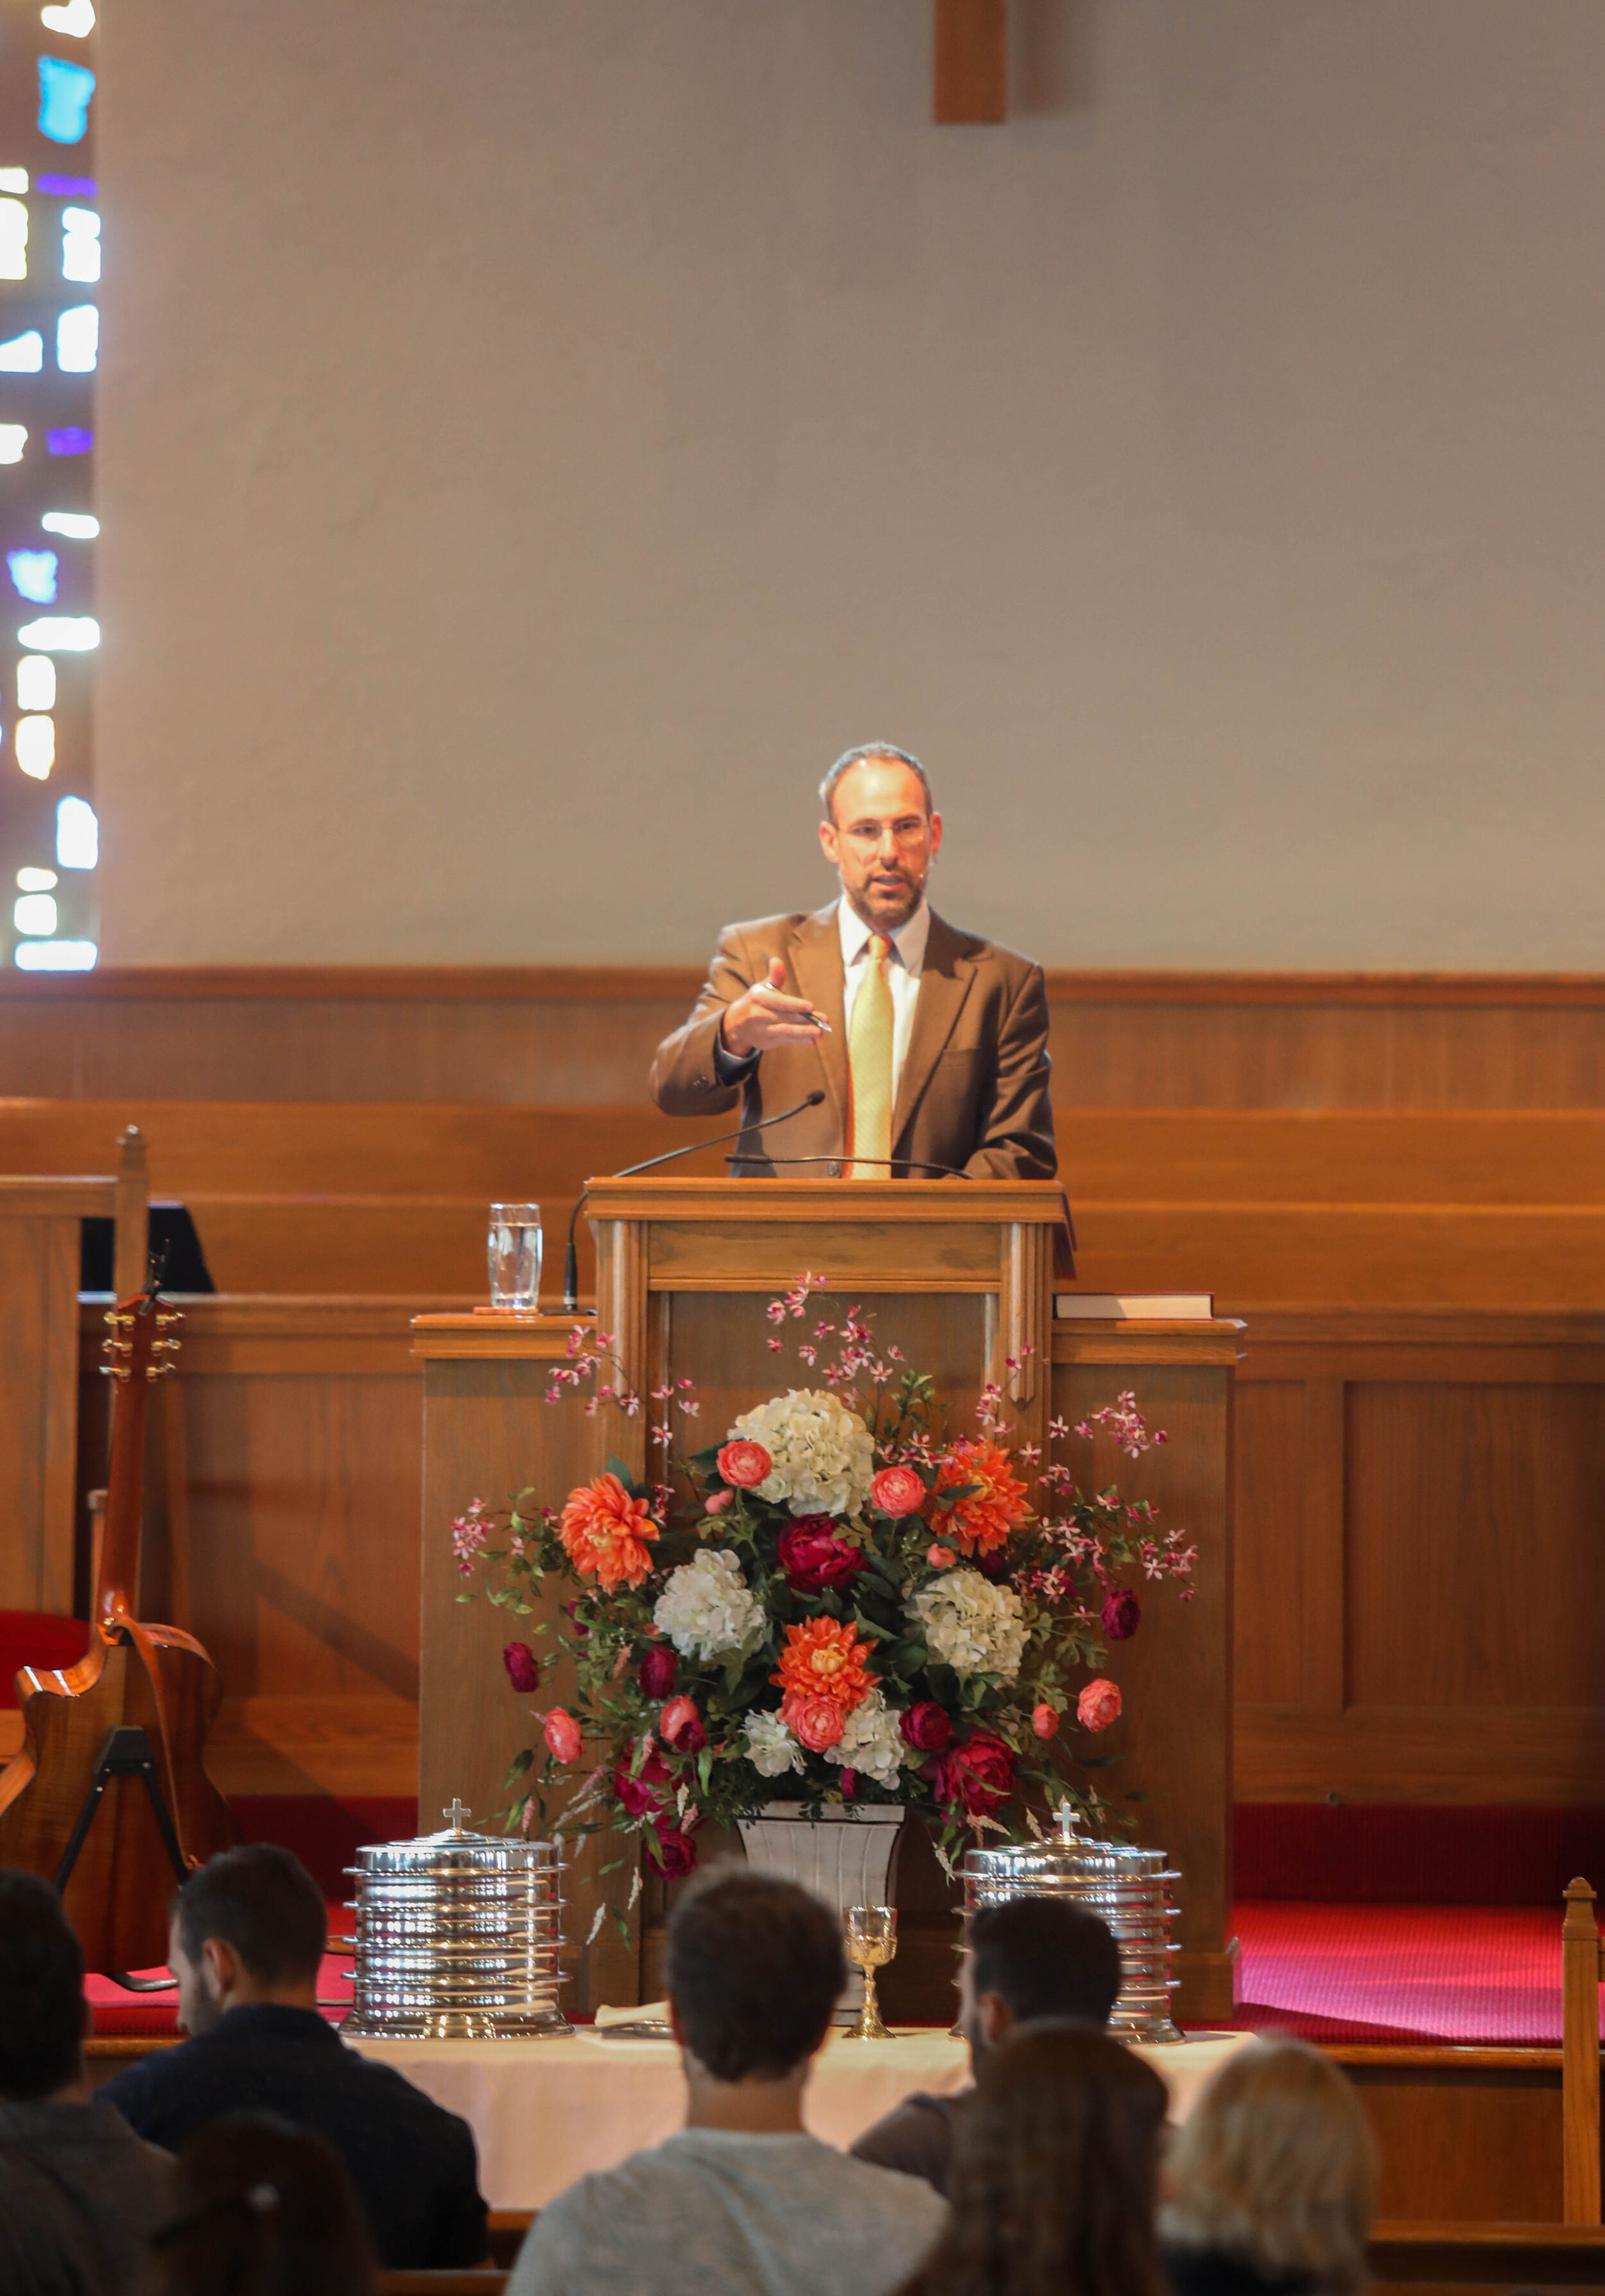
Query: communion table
(960, 1274)
(544, 2112)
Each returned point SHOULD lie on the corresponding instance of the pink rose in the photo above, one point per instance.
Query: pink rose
(898, 1491)
(1098, 1704)
(1121, 1615)
(977, 1777)
(716, 1502)
(681, 1725)
(522, 1672)
(817, 1721)
(1044, 1721)
(676, 1853)
(848, 1783)
(926, 1728)
(562, 1734)
(814, 1556)
(657, 1671)
(939, 1557)
(647, 1792)
(744, 1465)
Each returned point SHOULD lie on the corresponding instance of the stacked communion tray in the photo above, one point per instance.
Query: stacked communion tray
(457, 1936)
(1127, 1887)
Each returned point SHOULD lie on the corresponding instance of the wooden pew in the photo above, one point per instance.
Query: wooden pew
(1403, 2255)
(1341, 1207)
(1580, 1972)
(41, 1229)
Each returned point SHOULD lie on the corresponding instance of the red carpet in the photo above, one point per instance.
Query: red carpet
(156, 2013)
(1401, 1973)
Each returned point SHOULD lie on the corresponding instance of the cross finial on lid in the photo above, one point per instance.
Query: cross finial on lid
(457, 1813)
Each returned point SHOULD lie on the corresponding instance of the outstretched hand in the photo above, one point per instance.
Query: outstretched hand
(765, 1017)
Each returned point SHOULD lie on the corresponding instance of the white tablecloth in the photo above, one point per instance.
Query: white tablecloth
(544, 2112)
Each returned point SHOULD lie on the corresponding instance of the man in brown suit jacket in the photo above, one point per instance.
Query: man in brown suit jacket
(968, 1020)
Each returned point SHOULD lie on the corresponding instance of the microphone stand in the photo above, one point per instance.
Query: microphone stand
(571, 1268)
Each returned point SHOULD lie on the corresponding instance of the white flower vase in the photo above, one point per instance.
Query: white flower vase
(843, 1856)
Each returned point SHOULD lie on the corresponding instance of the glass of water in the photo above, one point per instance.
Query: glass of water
(513, 1251)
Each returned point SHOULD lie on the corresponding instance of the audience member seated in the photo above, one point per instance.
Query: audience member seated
(245, 1942)
(1028, 1958)
(1271, 2180)
(1053, 2174)
(74, 2181)
(741, 2202)
(263, 2209)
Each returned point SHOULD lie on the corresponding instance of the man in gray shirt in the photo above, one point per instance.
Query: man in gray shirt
(1028, 1960)
(77, 2186)
(741, 2202)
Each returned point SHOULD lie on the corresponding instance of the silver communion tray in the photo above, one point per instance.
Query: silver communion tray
(1129, 1888)
(457, 1938)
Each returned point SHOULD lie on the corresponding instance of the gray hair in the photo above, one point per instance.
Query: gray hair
(856, 758)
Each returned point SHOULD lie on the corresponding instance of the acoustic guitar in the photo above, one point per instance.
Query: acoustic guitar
(109, 1797)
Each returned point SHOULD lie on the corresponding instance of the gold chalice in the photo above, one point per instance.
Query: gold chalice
(871, 1942)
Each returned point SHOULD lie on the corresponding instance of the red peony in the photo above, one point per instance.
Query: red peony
(940, 1557)
(926, 1728)
(681, 1725)
(898, 1491)
(648, 1792)
(522, 1672)
(675, 1854)
(814, 1556)
(1098, 1704)
(1044, 1721)
(817, 1722)
(848, 1783)
(977, 1777)
(746, 1464)
(561, 1734)
(1121, 1615)
(657, 1671)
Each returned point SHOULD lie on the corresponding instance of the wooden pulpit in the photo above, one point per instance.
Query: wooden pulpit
(959, 1274)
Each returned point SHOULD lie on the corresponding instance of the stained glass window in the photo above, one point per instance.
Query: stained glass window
(53, 251)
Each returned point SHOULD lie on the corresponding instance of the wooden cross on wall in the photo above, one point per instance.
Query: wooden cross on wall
(969, 78)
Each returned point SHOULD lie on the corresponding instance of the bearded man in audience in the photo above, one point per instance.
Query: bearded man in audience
(79, 2194)
(741, 2202)
(245, 1943)
(1027, 1961)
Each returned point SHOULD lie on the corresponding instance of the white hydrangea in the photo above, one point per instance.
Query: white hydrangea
(707, 1607)
(972, 1624)
(771, 1748)
(872, 1741)
(823, 1459)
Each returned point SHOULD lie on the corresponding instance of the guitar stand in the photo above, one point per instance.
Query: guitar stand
(125, 1753)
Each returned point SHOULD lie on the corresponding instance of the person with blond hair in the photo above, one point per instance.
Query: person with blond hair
(1053, 2174)
(1271, 2180)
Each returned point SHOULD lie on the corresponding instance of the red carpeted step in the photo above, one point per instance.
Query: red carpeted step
(1467, 1974)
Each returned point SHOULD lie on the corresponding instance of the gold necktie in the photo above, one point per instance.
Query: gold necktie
(870, 1063)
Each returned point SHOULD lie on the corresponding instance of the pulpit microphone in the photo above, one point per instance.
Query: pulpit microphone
(571, 1268)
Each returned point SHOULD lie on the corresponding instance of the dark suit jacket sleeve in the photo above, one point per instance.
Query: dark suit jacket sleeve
(685, 1081)
(1016, 1139)
(460, 2235)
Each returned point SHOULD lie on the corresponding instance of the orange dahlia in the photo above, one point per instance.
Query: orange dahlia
(605, 1533)
(824, 1659)
(982, 1522)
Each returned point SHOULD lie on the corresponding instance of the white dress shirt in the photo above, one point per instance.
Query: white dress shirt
(904, 965)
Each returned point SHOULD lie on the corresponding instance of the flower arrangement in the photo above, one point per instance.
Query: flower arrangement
(837, 1602)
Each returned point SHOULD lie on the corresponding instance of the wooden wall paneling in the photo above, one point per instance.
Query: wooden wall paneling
(1270, 1495)
(1174, 1739)
(40, 1228)
(1461, 1498)
(1324, 1637)
(586, 1035)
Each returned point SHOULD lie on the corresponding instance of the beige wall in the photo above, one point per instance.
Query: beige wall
(538, 433)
